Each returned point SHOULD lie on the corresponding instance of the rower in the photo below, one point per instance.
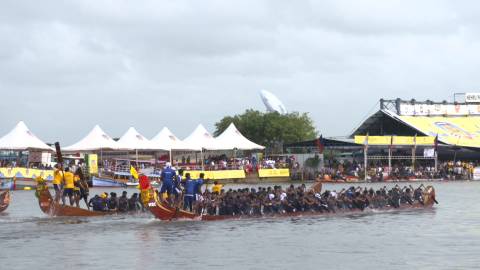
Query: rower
(57, 181)
(68, 186)
(167, 177)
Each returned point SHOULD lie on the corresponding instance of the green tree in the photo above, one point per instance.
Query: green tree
(270, 129)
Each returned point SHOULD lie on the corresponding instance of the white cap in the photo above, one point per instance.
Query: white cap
(168, 164)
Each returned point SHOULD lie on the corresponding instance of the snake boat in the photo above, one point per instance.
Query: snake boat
(163, 211)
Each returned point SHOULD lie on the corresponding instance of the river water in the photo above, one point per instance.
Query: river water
(446, 237)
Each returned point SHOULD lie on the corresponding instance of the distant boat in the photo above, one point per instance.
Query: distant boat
(272, 103)
(106, 182)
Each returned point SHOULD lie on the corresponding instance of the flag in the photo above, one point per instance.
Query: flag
(133, 172)
(435, 144)
(320, 144)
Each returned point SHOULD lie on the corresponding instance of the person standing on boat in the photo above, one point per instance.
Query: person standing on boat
(190, 191)
(167, 176)
(69, 185)
(57, 181)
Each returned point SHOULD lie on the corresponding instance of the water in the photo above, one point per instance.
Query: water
(446, 237)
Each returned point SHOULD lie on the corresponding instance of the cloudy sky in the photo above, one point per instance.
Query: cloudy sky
(65, 67)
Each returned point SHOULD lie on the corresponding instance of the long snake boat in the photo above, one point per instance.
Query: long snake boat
(4, 200)
(49, 206)
(163, 211)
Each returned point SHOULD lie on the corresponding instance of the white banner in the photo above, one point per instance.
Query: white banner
(439, 109)
(476, 173)
(429, 152)
(472, 97)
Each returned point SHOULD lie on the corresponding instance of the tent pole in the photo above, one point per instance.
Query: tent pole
(101, 161)
(365, 158)
(170, 155)
(136, 157)
(201, 156)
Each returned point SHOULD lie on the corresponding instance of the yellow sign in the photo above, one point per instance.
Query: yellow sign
(93, 163)
(273, 173)
(396, 140)
(461, 130)
(217, 175)
(25, 173)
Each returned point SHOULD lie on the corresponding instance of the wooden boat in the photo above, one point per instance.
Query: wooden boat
(4, 200)
(107, 182)
(56, 209)
(163, 211)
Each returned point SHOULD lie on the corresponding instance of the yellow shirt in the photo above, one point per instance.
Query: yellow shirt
(69, 182)
(57, 177)
(217, 188)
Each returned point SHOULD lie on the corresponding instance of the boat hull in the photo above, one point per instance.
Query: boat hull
(165, 212)
(50, 207)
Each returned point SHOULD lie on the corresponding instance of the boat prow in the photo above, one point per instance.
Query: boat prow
(4, 200)
(50, 207)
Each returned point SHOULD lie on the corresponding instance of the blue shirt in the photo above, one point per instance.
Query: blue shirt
(190, 186)
(198, 185)
(167, 176)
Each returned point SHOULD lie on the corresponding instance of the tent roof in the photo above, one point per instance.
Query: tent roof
(96, 140)
(202, 139)
(231, 138)
(133, 140)
(166, 140)
(21, 138)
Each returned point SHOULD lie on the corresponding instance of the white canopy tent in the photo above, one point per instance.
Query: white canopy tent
(133, 140)
(201, 139)
(231, 138)
(166, 140)
(96, 140)
(21, 138)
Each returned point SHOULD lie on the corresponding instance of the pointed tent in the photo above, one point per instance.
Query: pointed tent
(21, 138)
(201, 139)
(133, 140)
(231, 138)
(166, 140)
(96, 140)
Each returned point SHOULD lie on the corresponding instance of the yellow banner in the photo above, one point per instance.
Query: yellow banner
(397, 140)
(273, 173)
(217, 175)
(93, 163)
(26, 173)
(461, 130)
